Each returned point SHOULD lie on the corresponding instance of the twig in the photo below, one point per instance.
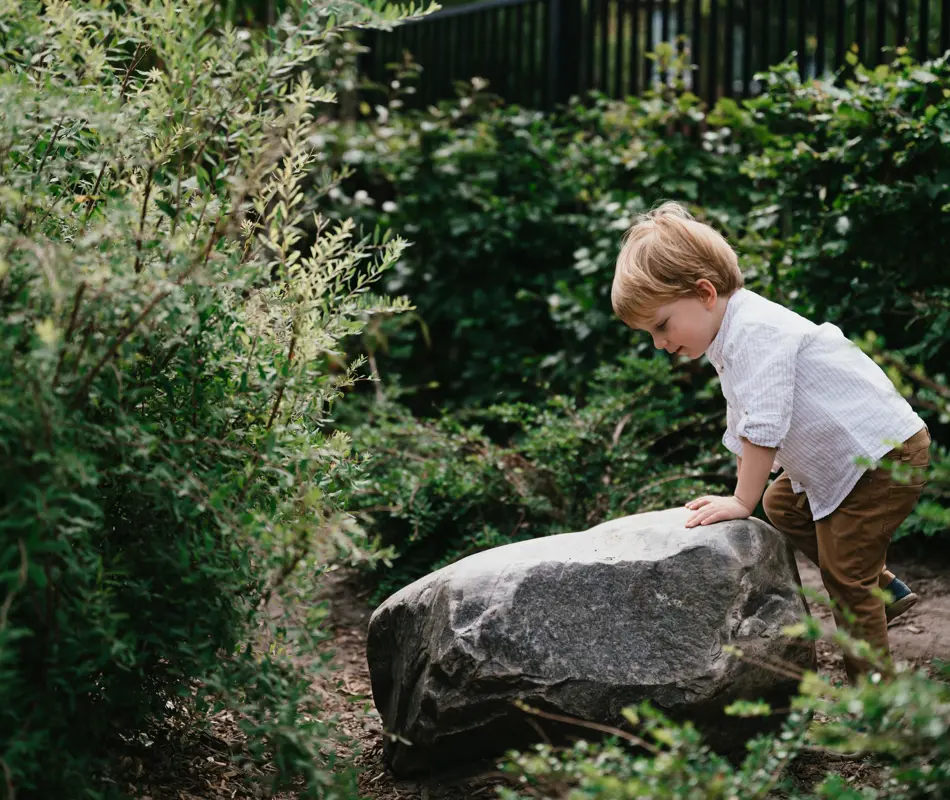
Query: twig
(138, 237)
(12, 593)
(80, 290)
(52, 144)
(618, 430)
(283, 384)
(8, 777)
(595, 726)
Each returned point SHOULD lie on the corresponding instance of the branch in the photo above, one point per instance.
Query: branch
(8, 602)
(138, 238)
(80, 290)
(283, 384)
(594, 726)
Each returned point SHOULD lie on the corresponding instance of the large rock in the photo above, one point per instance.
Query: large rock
(584, 624)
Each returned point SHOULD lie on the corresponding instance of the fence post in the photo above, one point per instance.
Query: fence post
(564, 31)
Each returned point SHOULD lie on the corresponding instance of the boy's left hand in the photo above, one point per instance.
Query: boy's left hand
(710, 509)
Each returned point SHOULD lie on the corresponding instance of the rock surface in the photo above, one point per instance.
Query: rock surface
(584, 624)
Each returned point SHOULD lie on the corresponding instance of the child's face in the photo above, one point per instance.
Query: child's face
(684, 327)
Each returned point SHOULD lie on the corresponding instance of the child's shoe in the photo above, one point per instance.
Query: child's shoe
(903, 598)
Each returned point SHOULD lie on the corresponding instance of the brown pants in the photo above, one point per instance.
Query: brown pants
(849, 546)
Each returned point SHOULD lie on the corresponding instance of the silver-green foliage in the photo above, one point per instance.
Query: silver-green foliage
(165, 334)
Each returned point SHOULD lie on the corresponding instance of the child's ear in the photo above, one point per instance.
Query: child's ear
(707, 292)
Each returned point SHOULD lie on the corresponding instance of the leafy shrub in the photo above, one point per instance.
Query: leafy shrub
(165, 481)
(436, 490)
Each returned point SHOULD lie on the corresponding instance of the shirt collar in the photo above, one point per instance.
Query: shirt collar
(715, 350)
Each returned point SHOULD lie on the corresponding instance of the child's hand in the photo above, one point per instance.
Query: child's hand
(711, 509)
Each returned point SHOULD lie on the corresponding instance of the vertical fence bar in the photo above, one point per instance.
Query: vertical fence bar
(616, 90)
(502, 24)
(944, 26)
(821, 39)
(539, 44)
(635, 51)
(697, 55)
(766, 59)
(549, 52)
(840, 43)
(491, 52)
(527, 47)
(430, 66)
(901, 23)
(880, 24)
(586, 83)
(604, 28)
(783, 31)
(648, 44)
(746, 47)
(463, 51)
(923, 46)
(729, 48)
(517, 59)
(801, 44)
(665, 31)
(680, 29)
(862, 26)
(712, 81)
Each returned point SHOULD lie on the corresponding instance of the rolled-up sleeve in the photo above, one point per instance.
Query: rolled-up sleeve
(764, 383)
(730, 439)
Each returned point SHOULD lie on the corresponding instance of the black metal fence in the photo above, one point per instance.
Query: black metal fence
(540, 52)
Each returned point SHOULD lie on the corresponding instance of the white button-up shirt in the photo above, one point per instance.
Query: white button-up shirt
(808, 391)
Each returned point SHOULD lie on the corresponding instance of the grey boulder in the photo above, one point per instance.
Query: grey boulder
(585, 624)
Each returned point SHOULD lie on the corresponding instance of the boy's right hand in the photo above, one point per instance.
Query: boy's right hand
(711, 508)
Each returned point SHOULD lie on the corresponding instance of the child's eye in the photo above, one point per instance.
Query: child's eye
(661, 326)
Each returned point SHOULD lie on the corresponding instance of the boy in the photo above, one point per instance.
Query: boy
(799, 397)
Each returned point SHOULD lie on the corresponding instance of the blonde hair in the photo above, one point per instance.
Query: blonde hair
(664, 254)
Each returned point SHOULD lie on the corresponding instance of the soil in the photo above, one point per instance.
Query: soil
(919, 636)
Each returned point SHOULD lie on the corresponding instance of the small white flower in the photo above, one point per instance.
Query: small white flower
(389, 206)
(353, 156)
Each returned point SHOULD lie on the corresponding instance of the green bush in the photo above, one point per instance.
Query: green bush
(165, 481)
(433, 491)
(496, 201)
(858, 201)
(834, 194)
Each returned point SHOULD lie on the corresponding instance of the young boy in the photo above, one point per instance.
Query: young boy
(799, 397)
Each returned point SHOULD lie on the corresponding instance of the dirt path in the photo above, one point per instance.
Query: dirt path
(920, 635)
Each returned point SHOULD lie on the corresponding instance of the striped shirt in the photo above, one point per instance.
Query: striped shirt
(808, 391)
